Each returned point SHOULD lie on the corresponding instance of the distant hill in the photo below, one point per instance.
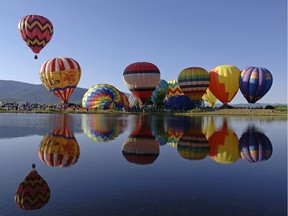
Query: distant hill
(24, 92)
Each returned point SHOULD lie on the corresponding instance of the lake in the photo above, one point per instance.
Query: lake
(101, 164)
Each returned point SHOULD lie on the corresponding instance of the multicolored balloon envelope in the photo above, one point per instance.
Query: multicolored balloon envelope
(255, 82)
(33, 193)
(141, 78)
(60, 76)
(224, 82)
(125, 100)
(174, 88)
(255, 146)
(141, 147)
(103, 96)
(209, 98)
(194, 81)
(224, 145)
(59, 148)
(193, 147)
(102, 127)
(160, 92)
(36, 31)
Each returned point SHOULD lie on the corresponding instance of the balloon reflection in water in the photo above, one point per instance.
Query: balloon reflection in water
(141, 147)
(224, 145)
(60, 148)
(33, 193)
(175, 128)
(103, 127)
(254, 145)
(159, 131)
(193, 144)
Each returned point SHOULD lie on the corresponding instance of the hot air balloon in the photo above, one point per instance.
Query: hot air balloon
(224, 145)
(60, 76)
(255, 82)
(33, 193)
(141, 78)
(173, 89)
(103, 96)
(254, 145)
(125, 100)
(194, 81)
(160, 92)
(36, 31)
(141, 147)
(179, 102)
(209, 98)
(59, 148)
(224, 82)
(103, 128)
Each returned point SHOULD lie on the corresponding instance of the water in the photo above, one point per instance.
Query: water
(100, 164)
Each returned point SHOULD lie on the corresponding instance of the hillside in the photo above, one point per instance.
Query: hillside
(21, 92)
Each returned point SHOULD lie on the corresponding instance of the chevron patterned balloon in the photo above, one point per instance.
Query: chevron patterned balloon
(33, 193)
(36, 31)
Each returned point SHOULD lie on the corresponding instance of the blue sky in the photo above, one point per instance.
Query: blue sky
(105, 36)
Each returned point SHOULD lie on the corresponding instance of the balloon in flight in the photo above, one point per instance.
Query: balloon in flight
(36, 31)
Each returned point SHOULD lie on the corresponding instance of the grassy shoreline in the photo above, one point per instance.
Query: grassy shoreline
(280, 112)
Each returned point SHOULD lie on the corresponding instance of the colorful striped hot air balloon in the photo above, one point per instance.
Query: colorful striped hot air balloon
(141, 78)
(255, 82)
(194, 81)
(103, 96)
(173, 89)
(224, 82)
(60, 76)
(33, 193)
(36, 31)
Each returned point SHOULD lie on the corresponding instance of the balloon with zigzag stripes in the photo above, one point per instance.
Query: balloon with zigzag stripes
(33, 193)
(36, 31)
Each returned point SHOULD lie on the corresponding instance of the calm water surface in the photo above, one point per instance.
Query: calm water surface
(142, 165)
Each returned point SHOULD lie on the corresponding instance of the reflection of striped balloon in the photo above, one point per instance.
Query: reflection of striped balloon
(141, 149)
(60, 149)
(193, 82)
(174, 88)
(60, 76)
(255, 146)
(102, 127)
(36, 31)
(141, 78)
(193, 147)
(103, 96)
(33, 193)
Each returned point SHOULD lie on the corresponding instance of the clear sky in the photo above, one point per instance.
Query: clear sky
(105, 36)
